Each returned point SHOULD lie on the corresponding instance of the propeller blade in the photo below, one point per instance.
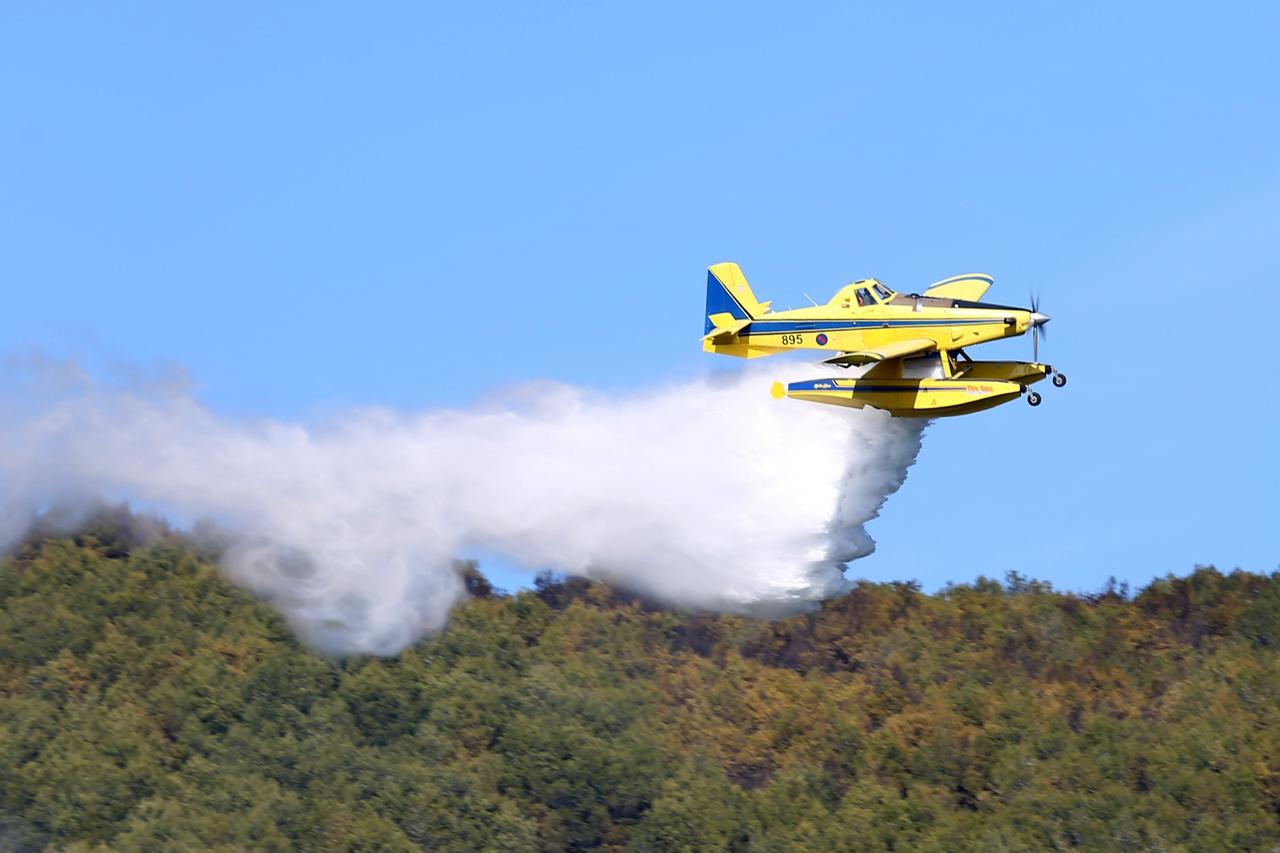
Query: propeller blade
(1038, 328)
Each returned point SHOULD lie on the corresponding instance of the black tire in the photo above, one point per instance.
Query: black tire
(1033, 399)
(1059, 379)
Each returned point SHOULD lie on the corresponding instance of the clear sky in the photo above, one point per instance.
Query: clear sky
(311, 207)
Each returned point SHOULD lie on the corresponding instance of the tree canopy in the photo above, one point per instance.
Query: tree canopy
(146, 703)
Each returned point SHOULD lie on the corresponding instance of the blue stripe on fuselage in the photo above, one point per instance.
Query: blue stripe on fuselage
(777, 327)
(864, 389)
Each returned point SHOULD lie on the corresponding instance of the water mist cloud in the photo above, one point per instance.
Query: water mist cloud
(703, 494)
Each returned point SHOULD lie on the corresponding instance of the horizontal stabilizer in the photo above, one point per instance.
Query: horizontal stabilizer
(968, 287)
(897, 349)
(724, 328)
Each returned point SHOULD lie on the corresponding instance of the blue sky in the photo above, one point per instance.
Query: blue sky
(310, 208)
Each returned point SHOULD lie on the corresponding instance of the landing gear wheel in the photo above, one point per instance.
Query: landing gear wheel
(1033, 399)
(1059, 379)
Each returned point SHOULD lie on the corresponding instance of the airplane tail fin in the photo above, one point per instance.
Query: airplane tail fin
(729, 299)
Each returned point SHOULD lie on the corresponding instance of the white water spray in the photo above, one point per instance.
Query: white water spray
(703, 494)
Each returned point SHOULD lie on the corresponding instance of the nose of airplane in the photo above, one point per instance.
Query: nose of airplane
(1038, 319)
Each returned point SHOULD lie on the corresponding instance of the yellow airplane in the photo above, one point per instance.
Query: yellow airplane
(913, 342)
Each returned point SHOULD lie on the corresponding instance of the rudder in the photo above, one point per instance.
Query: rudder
(729, 293)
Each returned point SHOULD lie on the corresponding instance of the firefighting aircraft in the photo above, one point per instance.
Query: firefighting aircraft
(914, 343)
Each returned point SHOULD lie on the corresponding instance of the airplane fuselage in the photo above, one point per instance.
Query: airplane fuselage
(950, 324)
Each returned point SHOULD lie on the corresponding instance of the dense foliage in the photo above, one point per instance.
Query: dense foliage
(147, 704)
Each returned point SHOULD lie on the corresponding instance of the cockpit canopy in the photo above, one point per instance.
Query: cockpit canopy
(863, 294)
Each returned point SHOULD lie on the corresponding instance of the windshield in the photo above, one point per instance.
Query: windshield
(883, 292)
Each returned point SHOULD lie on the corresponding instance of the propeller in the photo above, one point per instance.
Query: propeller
(1037, 327)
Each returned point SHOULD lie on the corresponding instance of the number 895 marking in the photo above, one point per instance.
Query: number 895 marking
(792, 340)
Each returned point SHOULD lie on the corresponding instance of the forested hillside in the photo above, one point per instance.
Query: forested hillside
(147, 704)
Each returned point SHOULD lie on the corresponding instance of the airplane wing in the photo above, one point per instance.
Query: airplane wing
(968, 287)
(724, 328)
(897, 349)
